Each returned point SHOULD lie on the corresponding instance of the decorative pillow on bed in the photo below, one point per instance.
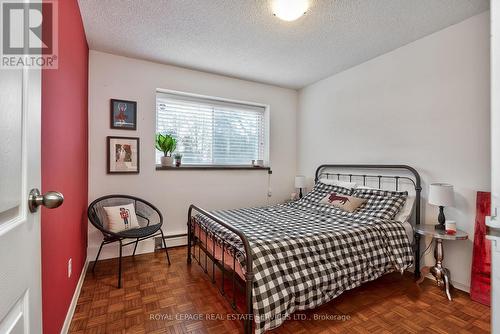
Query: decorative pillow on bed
(380, 192)
(320, 190)
(381, 203)
(344, 202)
(332, 182)
(121, 217)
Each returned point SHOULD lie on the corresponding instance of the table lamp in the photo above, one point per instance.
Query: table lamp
(300, 182)
(441, 194)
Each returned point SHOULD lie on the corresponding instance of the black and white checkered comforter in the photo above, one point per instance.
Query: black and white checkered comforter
(305, 256)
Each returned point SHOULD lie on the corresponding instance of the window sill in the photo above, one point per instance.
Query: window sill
(205, 167)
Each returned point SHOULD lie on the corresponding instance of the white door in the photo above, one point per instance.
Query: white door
(20, 277)
(20, 283)
(494, 221)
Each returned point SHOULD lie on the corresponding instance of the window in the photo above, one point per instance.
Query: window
(210, 131)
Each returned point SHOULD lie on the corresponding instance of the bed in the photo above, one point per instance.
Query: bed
(297, 256)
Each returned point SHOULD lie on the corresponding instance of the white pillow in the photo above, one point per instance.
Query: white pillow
(366, 187)
(121, 218)
(405, 213)
(345, 184)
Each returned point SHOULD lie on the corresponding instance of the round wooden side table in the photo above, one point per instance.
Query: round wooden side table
(442, 274)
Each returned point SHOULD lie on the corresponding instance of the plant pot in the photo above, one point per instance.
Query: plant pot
(178, 162)
(166, 161)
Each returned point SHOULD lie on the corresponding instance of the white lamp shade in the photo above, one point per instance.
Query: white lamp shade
(441, 194)
(300, 181)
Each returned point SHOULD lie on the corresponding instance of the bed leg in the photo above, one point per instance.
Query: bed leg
(213, 260)
(206, 245)
(189, 239)
(223, 271)
(417, 256)
(233, 286)
(249, 316)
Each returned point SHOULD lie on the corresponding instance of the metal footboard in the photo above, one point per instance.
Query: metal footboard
(236, 281)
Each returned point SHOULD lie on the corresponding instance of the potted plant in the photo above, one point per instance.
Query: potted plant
(177, 158)
(166, 144)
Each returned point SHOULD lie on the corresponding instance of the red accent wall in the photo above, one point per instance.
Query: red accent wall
(64, 167)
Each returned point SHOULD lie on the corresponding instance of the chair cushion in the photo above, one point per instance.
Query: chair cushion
(121, 217)
(140, 232)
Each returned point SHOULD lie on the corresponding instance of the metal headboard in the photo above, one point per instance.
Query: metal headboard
(324, 170)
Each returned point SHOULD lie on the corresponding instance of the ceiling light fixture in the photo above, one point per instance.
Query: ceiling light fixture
(289, 10)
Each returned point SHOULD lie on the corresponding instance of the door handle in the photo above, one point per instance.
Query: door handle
(50, 200)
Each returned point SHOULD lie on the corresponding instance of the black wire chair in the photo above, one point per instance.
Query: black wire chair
(149, 218)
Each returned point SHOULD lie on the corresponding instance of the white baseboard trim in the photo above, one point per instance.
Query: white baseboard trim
(74, 300)
(177, 241)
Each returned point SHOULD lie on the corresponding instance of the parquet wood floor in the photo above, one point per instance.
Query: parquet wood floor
(156, 298)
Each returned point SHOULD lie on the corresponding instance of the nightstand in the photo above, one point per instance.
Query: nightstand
(441, 273)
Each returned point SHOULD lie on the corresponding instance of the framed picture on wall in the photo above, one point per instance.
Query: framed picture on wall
(123, 114)
(123, 155)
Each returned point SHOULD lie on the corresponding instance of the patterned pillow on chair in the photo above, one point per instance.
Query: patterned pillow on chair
(121, 217)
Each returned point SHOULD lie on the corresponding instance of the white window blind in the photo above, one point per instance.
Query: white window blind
(212, 132)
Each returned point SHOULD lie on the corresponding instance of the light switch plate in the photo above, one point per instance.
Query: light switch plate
(70, 267)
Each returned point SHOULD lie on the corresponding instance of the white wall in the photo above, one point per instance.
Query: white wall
(113, 76)
(425, 104)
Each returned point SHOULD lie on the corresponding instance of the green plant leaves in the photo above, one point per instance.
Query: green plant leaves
(165, 143)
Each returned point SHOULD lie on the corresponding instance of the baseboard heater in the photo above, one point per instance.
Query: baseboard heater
(159, 243)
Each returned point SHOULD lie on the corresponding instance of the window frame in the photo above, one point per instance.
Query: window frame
(267, 130)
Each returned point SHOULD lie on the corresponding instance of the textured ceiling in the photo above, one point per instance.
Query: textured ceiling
(241, 38)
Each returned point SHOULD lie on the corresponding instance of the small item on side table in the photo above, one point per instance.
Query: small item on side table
(442, 274)
(293, 197)
(451, 227)
(441, 194)
(300, 182)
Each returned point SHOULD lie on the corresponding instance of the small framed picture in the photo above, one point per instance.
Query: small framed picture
(123, 114)
(123, 155)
